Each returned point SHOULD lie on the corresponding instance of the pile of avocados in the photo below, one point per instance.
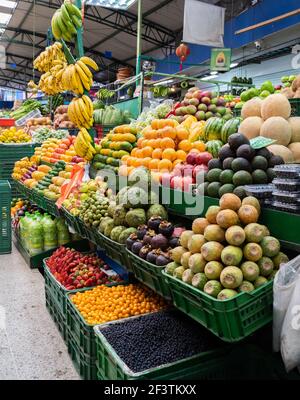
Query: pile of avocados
(238, 165)
(47, 180)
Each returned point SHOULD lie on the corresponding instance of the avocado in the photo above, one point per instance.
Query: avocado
(264, 152)
(236, 140)
(241, 164)
(259, 162)
(271, 174)
(275, 160)
(259, 176)
(245, 151)
(242, 178)
(240, 192)
(214, 175)
(226, 176)
(226, 152)
(202, 188)
(214, 163)
(228, 188)
(227, 162)
(213, 189)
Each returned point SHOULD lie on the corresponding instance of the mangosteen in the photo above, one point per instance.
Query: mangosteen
(154, 223)
(166, 228)
(162, 259)
(148, 237)
(141, 231)
(174, 242)
(144, 252)
(159, 242)
(136, 247)
(132, 239)
(275, 160)
(151, 257)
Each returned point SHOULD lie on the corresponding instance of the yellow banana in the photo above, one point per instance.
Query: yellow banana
(86, 135)
(85, 69)
(84, 80)
(91, 63)
(88, 103)
(84, 110)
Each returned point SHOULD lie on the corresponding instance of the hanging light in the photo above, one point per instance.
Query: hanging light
(182, 51)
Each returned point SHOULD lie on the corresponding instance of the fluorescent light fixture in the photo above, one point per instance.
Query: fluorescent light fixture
(234, 64)
(214, 73)
(4, 18)
(163, 82)
(207, 78)
(8, 4)
(117, 4)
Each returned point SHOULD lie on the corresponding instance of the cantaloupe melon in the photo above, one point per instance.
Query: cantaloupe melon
(252, 108)
(251, 126)
(295, 125)
(288, 93)
(282, 151)
(277, 128)
(295, 149)
(276, 105)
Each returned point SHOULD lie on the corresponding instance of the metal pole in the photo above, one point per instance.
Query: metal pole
(139, 38)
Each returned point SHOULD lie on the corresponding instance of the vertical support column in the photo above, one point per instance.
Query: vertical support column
(139, 38)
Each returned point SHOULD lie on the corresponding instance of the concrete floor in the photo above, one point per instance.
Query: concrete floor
(31, 347)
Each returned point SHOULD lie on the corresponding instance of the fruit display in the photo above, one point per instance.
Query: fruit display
(154, 241)
(21, 168)
(104, 303)
(271, 118)
(40, 232)
(36, 123)
(287, 81)
(117, 145)
(80, 112)
(14, 135)
(237, 165)
(203, 105)
(41, 134)
(49, 187)
(53, 150)
(227, 252)
(190, 339)
(61, 118)
(111, 116)
(77, 77)
(74, 270)
(65, 21)
(149, 114)
(83, 145)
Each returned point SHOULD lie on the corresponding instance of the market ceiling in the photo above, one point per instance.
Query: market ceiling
(105, 30)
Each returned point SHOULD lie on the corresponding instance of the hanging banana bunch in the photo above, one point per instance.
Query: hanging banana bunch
(77, 77)
(65, 21)
(83, 145)
(80, 112)
(45, 61)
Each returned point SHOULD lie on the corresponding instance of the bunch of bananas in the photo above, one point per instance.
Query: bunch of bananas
(77, 77)
(83, 145)
(65, 21)
(51, 82)
(80, 112)
(44, 62)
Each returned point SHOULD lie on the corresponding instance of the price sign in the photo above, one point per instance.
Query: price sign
(261, 142)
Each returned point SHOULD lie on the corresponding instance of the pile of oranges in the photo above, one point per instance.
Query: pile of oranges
(110, 303)
(162, 146)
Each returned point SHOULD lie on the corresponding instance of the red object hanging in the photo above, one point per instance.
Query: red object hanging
(183, 51)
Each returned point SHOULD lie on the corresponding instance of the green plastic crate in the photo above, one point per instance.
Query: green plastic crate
(14, 152)
(115, 251)
(295, 104)
(5, 218)
(149, 274)
(111, 367)
(70, 219)
(58, 318)
(231, 320)
(84, 364)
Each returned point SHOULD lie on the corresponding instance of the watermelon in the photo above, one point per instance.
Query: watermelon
(213, 147)
(213, 128)
(229, 128)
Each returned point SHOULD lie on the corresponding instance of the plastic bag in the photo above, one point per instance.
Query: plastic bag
(284, 286)
(290, 334)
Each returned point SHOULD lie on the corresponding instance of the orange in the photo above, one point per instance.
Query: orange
(151, 143)
(182, 133)
(155, 124)
(169, 154)
(157, 153)
(124, 159)
(137, 162)
(140, 142)
(134, 152)
(167, 131)
(129, 161)
(199, 146)
(145, 143)
(124, 170)
(167, 143)
(157, 144)
(151, 134)
(153, 164)
(165, 165)
(147, 151)
(146, 161)
(185, 145)
(139, 153)
(181, 155)
(176, 162)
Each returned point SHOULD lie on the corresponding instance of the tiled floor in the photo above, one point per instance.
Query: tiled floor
(30, 344)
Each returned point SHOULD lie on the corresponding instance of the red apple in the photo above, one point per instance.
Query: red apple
(204, 158)
(178, 170)
(165, 179)
(177, 182)
(191, 158)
